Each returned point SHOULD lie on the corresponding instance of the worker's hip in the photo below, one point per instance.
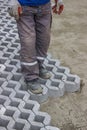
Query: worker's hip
(42, 9)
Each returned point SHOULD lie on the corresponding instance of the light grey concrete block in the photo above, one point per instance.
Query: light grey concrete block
(11, 68)
(54, 62)
(51, 128)
(6, 75)
(1, 53)
(2, 128)
(34, 126)
(30, 105)
(5, 121)
(72, 83)
(25, 114)
(2, 81)
(16, 77)
(36, 122)
(58, 76)
(3, 60)
(14, 84)
(3, 48)
(11, 112)
(40, 97)
(43, 117)
(2, 110)
(55, 88)
(6, 91)
(19, 124)
(22, 95)
(61, 69)
(8, 55)
(48, 66)
(4, 100)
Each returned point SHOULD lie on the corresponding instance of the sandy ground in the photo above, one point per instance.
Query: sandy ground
(69, 45)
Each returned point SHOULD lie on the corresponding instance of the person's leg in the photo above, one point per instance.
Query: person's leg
(29, 63)
(43, 28)
(27, 34)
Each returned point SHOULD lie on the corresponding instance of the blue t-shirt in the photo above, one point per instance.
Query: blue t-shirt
(33, 2)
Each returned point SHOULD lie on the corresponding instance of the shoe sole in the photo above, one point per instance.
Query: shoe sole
(38, 91)
(45, 77)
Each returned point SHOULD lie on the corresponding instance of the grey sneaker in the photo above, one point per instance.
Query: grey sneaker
(44, 73)
(34, 86)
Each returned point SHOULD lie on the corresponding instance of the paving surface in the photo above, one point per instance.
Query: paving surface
(18, 110)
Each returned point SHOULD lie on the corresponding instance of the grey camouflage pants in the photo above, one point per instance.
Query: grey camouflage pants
(34, 32)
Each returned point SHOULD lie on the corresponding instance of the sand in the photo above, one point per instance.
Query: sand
(69, 45)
